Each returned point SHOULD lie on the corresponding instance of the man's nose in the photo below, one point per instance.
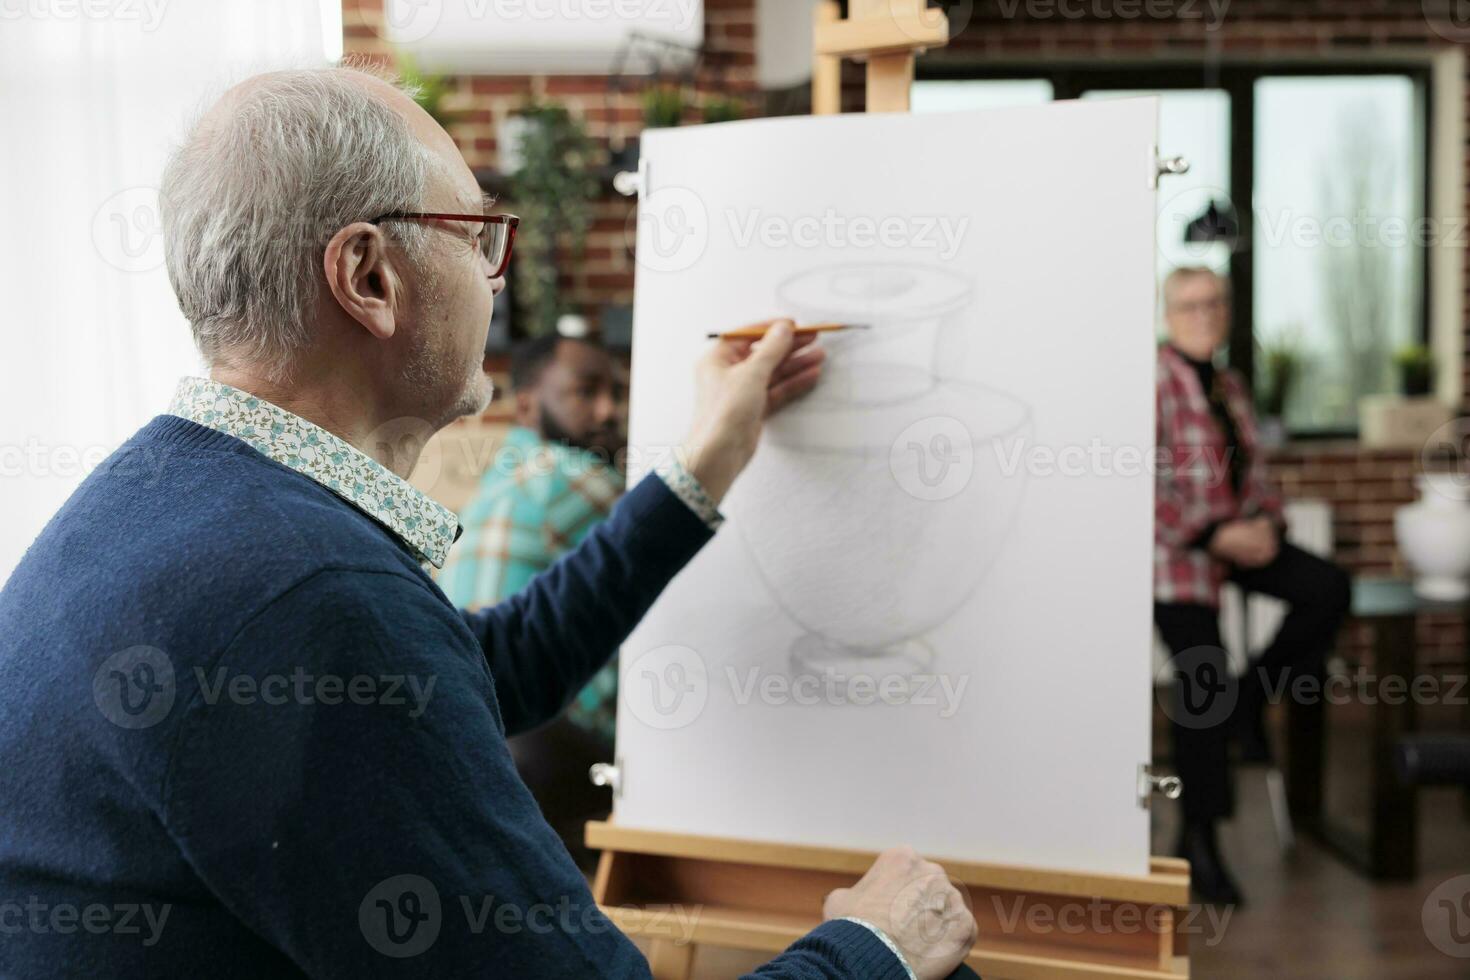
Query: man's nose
(607, 409)
(497, 285)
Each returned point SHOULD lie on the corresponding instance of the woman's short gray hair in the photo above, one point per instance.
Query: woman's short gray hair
(1183, 272)
(248, 205)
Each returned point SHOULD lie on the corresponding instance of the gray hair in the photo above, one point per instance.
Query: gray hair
(249, 204)
(1183, 272)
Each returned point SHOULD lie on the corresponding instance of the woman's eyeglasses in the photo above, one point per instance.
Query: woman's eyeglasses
(495, 239)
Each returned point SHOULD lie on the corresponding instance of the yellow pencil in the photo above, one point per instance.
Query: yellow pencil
(757, 331)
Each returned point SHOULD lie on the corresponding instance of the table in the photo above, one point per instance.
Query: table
(1389, 850)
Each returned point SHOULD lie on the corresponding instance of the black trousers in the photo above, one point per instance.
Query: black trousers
(1206, 699)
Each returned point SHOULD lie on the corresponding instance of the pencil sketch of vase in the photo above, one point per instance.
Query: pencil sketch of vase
(875, 506)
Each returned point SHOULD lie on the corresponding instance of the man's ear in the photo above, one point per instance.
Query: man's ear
(362, 279)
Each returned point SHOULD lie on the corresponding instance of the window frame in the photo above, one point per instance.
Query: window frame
(1238, 81)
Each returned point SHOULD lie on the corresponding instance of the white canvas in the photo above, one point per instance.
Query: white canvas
(927, 618)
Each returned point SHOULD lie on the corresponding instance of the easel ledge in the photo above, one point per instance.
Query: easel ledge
(680, 891)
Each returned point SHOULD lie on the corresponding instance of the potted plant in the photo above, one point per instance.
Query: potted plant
(1411, 416)
(1415, 366)
(718, 109)
(553, 190)
(663, 106)
(1279, 362)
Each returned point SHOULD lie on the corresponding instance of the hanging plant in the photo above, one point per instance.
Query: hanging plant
(553, 191)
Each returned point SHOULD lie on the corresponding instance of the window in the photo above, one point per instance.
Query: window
(1338, 200)
(941, 96)
(1307, 187)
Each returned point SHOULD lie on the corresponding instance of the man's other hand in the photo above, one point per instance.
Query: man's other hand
(738, 384)
(916, 905)
(1248, 543)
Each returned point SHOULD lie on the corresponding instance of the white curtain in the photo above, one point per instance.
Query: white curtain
(92, 96)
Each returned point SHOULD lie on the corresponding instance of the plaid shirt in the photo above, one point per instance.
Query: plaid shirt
(535, 502)
(1192, 489)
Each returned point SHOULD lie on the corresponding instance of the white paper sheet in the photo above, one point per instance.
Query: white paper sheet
(927, 620)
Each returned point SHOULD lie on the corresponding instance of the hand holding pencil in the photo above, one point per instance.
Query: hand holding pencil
(739, 383)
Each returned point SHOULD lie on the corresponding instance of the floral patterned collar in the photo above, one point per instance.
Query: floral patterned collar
(425, 526)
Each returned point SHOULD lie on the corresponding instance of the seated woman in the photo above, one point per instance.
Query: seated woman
(1217, 517)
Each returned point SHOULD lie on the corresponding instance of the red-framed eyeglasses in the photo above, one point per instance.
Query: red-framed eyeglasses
(495, 239)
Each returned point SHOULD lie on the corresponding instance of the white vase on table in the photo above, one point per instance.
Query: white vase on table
(1434, 536)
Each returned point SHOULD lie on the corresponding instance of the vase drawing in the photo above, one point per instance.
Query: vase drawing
(874, 507)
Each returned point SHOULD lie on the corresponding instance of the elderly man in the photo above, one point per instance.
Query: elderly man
(245, 734)
(1218, 517)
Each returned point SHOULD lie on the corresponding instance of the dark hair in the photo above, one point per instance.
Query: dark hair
(530, 357)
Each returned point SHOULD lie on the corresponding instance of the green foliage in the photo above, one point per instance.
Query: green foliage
(429, 90)
(663, 105)
(718, 110)
(553, 192)
(1415, 364)
(1279, 361)
(1412, 356)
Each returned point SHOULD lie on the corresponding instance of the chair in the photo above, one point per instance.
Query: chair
(1247, 624)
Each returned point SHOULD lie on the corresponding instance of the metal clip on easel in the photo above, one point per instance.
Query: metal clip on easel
(1163, 166)
(1169, 787)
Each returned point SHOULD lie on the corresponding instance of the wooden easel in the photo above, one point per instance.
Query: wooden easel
(680, 891)
(887, 34)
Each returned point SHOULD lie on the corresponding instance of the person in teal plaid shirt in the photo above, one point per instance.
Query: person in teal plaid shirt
(548, 485)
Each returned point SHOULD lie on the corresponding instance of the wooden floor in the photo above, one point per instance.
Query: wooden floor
(1308, 915)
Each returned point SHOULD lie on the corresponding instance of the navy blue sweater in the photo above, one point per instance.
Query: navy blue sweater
(244, 734)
